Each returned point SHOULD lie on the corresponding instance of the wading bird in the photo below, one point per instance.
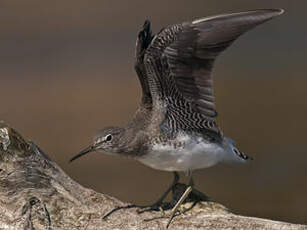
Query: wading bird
(174, 128)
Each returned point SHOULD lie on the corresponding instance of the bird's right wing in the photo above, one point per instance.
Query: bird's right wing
(179, 63)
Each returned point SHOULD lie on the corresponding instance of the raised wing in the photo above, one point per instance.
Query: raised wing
(144, 39)
(180, 59)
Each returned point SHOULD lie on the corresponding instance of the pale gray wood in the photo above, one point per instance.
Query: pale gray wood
(36, 194)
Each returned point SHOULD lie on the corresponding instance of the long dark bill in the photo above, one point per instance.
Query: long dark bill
(83, 152)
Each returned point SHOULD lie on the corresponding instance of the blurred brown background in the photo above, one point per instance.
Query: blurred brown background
(66, 70)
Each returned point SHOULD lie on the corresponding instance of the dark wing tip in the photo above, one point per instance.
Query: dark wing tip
(145, 35)
(146, 25)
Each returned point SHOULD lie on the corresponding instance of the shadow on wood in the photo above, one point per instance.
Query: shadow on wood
(36, 194)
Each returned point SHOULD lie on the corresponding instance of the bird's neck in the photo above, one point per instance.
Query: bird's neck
(132, 142)
(134, 135)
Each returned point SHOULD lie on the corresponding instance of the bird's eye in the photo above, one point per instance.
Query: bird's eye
(109, 137)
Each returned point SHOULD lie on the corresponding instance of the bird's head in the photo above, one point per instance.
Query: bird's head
(106, 140)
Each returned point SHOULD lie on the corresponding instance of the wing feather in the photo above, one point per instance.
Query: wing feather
(144, 39)
(180, 59)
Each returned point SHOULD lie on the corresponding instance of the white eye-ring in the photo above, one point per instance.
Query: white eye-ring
(108, 137)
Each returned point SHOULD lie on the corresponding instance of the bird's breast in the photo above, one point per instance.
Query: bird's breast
(182, 153)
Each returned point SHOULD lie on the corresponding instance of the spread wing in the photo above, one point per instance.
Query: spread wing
(179, 62)
(143, 40)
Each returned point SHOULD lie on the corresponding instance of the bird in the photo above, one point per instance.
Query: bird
(175, 127)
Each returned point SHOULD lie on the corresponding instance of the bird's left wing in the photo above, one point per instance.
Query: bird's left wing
(143, 40)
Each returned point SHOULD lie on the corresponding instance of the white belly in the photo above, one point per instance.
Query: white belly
(193, 154)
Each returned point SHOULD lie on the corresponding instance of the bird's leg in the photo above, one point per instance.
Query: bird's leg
(175, 181)
(189, 191)
(158, 203)
(182, 198)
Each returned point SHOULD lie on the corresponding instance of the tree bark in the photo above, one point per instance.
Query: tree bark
(36, 194)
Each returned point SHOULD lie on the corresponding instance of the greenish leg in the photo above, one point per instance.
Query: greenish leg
(182, 198)
(161, 199)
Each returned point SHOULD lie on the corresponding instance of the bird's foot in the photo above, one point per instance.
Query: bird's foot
(157, 206)
(164, 214)
(105, 217)
(181, 194)
(153, 207)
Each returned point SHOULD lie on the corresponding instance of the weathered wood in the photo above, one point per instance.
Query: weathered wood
(36, 194)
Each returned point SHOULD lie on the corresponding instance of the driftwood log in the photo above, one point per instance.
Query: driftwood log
(36, 194)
